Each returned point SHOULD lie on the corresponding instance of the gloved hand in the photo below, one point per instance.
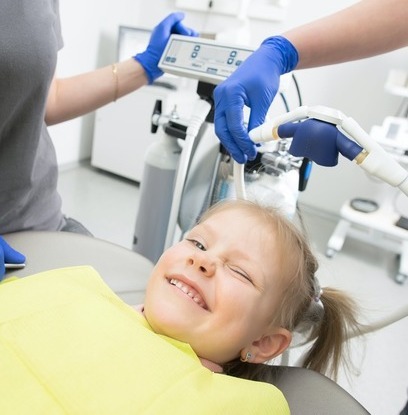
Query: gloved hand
(254, 84)
(149, 59)
(8, 254)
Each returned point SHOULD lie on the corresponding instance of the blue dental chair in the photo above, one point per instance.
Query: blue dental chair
(126, 272)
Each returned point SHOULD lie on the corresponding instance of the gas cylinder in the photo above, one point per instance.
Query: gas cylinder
(156, 193)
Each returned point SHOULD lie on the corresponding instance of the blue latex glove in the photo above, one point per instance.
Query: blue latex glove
(8, 254)
(254, 84)
(318, 141)
(149, 59)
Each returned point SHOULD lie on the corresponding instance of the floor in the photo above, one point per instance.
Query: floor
(107, 205)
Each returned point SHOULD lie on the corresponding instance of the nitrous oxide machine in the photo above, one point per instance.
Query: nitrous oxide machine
(188, 169)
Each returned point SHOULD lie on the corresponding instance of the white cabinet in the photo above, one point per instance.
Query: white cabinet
(122, 129)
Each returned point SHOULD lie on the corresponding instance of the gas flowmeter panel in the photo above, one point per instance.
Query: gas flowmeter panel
(204, 59)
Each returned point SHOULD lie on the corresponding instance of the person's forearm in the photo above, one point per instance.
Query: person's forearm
(78, 95)
(368, 28)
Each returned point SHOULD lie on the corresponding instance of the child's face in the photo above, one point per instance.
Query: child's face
(218, 288)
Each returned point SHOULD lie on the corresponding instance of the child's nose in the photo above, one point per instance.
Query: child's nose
(203, 262)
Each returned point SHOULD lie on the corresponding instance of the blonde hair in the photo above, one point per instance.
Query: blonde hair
(327, 316)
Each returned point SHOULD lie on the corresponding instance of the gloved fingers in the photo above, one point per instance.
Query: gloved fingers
(238, 130)
(169, 21)
(149, 59)
(10, 255)
(163, 30)
(288, 129)
(180, 29)
(260, 101)
(229, 122)
(173, 24)
(222, 132)
(258, 114)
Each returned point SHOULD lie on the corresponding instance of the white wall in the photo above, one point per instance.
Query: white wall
(89, 30)
(355, 88)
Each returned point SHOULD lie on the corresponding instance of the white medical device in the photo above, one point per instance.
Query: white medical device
(163, 183)
(203, 59)
(201, 173)
(208, 61)
(211, 62)
(392, 134)
(372, 158)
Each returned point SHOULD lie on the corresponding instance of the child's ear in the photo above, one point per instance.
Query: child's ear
(270, 345)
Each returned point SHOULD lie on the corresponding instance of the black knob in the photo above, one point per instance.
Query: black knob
(157, 110)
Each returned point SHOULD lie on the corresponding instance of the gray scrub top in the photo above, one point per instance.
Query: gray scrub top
(30, 38)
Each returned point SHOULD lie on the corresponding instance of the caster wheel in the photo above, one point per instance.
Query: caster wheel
(400, 278)
(330, 252)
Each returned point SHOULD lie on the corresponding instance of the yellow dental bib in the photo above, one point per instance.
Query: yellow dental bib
(69, 345)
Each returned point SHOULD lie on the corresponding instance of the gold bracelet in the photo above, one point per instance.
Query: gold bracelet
(116, 82)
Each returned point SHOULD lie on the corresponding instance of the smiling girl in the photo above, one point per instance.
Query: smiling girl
(239, 284)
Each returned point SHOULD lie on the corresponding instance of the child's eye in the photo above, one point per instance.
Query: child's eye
(198, 244)
(242, 274)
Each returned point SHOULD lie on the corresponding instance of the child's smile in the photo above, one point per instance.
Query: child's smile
(190, 291)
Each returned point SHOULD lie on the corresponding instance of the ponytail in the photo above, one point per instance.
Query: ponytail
(331, 333)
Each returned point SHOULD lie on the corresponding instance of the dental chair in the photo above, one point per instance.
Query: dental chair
(126, 272)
